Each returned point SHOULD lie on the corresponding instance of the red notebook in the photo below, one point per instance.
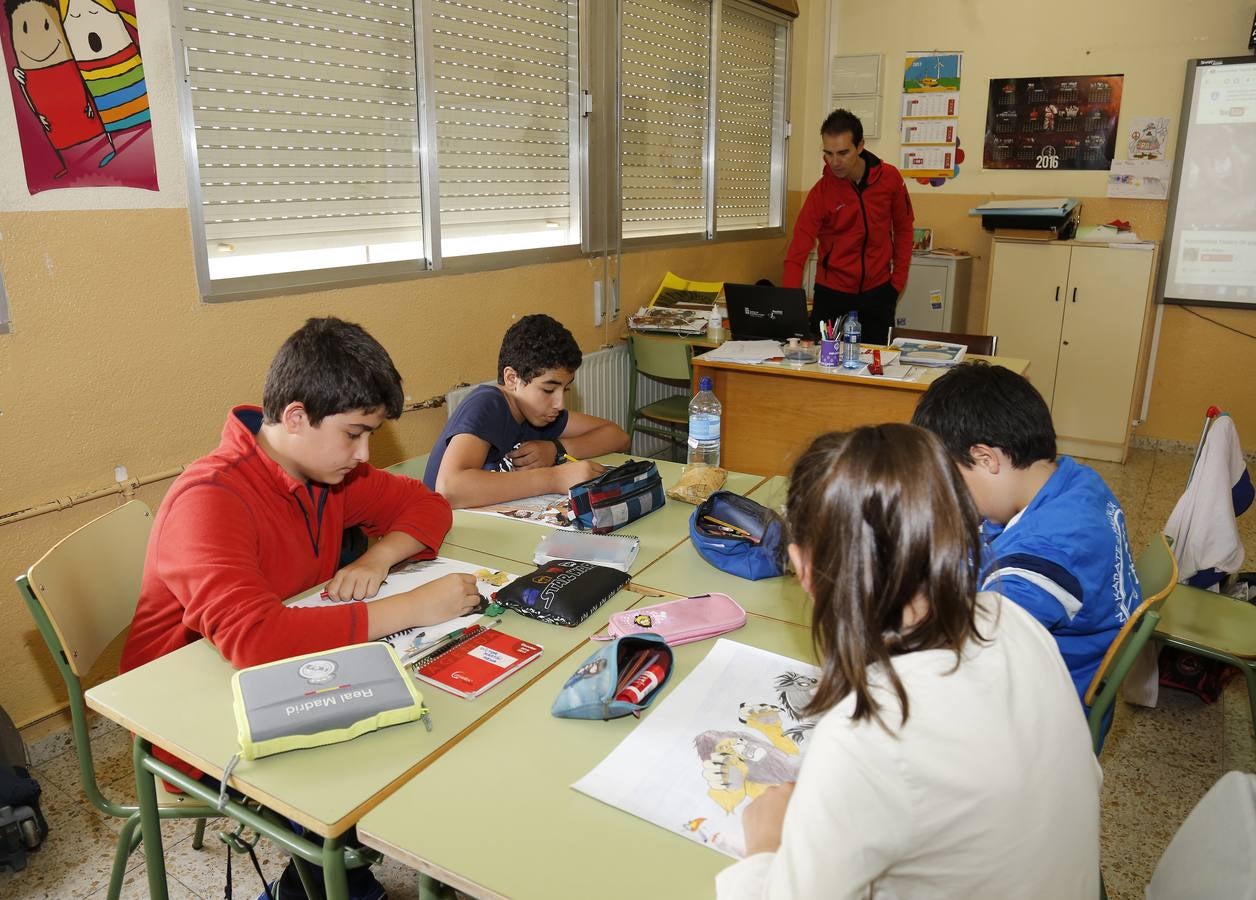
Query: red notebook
(476, 663)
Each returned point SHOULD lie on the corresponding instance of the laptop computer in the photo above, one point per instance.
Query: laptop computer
(762, 312)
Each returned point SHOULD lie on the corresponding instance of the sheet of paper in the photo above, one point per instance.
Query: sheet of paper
(729, 729)
(928, 131)
(942, 103)
(410, 575)
(744, 351)
(550, 510)
(1139, 179)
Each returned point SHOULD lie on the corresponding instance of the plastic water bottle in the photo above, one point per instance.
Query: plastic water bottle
(715, 324)
(851, 332)
(704, 426)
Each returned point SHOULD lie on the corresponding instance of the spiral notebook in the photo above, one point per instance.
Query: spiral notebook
(618, 551)
(482, 658)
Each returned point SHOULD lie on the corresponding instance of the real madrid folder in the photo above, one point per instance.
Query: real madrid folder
(322, 698)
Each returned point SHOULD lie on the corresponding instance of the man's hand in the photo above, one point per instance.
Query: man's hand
(763, 819)
(445, 598)
(360, 580)
(532, 455)
(573, 473)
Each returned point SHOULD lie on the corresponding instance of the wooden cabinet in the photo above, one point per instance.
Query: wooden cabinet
(1080, 313)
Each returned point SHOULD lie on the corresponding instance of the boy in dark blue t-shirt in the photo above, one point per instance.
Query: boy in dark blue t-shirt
(1054, 537)
(510, 440)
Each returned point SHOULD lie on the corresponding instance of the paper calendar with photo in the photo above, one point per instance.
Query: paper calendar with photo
(729, 731)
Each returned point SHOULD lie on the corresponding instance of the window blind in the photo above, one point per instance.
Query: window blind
(664, 84)
(305, 132)
(750, 123)
(505, 88)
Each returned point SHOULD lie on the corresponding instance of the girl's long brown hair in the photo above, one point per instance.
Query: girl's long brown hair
(883, 515)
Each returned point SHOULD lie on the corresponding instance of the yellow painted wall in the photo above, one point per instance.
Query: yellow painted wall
(1149, 41)
(114, 359)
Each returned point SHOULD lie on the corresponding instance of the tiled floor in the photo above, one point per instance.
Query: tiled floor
(1157, 763)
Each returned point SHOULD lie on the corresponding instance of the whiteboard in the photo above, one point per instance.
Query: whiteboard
(1210, 243)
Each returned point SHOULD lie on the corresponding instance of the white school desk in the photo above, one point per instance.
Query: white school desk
(773, 411)
(497, 817)
(659, 531)
(182, 703)
(683, 572)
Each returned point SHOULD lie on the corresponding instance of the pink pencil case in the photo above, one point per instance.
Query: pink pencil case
(679, 621)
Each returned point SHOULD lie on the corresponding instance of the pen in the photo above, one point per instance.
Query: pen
(569, 458)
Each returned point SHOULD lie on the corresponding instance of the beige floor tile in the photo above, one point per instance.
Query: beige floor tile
(401, 882)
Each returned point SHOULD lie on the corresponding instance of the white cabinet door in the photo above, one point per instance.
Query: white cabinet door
(1099, 343)
(926, 300)
(1026, 308)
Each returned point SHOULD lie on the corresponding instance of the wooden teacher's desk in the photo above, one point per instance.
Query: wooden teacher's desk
(772, 411)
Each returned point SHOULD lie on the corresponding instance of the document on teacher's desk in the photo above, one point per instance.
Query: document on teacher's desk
(743, 351)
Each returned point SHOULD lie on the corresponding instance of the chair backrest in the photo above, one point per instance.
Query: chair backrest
(981, 344)
(87, 585)
(1157, 576)
(660, 357)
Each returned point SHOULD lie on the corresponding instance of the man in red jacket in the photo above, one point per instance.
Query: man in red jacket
(860, 212)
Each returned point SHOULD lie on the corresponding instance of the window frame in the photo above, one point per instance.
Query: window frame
(596, 173)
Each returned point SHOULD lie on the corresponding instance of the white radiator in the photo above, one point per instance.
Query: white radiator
(601, 389)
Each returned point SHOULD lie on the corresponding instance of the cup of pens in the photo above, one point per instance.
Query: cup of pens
(830, 353)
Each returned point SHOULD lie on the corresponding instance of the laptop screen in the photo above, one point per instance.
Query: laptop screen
(764, 312)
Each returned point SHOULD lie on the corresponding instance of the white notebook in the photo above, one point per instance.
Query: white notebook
(615, 550)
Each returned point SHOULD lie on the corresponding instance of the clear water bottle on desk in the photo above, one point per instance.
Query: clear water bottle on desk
(715, 325)
(704, 426)
(851, 332)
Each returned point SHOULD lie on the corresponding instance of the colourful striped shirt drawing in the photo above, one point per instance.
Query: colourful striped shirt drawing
(117, 86)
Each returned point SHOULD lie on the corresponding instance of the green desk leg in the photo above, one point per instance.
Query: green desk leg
(335, 877)
(150, 821)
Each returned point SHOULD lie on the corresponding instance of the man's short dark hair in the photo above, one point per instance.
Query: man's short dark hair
(977, 403)
(536, 344)
(331, 366)
(840, 121)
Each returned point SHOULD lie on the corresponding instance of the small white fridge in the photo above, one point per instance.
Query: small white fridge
(936, 296)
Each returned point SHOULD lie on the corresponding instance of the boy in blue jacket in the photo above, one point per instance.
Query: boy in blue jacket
(1054, 535)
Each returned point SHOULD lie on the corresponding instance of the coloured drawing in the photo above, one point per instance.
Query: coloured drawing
(729, 731)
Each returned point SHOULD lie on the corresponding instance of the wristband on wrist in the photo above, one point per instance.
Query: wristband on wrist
(560, 452)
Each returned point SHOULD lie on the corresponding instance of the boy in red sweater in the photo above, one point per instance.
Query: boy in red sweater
(262, 517)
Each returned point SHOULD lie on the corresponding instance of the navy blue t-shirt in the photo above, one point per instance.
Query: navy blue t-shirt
(486, 414)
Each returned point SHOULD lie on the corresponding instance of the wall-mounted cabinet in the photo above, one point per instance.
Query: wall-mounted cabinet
(1081, 314)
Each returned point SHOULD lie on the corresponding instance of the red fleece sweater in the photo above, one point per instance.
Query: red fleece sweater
(860, 232)
(236, 535)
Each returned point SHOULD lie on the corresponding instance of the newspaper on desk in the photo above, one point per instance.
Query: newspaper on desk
(744, 351)
(669, 321)
(916, 352)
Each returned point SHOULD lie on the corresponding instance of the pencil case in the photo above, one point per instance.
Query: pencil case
(592, 691)
(679, 621)
(738, 536)
(617, 496)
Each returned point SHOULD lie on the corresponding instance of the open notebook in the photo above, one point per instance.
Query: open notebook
(411, 642)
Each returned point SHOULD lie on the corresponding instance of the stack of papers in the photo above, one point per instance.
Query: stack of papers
(672, 321)
(914, 352)
(744, 351)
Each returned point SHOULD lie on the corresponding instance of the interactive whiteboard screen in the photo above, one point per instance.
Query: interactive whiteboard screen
(1210, 253)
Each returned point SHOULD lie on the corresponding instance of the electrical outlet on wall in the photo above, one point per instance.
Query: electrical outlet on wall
(599, 304)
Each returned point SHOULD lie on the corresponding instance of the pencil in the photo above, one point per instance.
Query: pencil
(569, 458)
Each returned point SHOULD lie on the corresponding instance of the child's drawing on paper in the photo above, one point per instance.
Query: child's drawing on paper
(728, 732)
(79, 94)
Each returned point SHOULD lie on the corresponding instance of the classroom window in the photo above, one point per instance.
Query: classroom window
(355, 140)
(303, 122)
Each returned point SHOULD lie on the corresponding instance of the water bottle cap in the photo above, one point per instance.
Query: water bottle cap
(704, 384)
(853, 314)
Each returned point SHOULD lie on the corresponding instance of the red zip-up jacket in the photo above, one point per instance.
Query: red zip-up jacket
(236, 535)
(860, 232)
